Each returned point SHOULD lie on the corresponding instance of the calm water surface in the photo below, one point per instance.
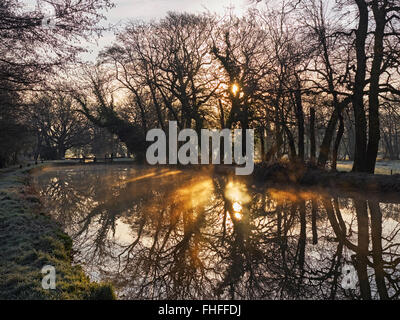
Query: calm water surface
(170, 234)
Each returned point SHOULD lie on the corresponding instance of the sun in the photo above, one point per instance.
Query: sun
(238, 215)
(237, 207)
(235, 89)
(237, 210)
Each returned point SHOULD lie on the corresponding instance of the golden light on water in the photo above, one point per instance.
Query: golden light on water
(197, 192)
(236, 191)
(154, 175)
(281, 196)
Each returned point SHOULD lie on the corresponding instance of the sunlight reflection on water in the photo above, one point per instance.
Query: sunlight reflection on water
(161, 233)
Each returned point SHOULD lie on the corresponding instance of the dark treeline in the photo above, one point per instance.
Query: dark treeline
(318, 81)
(34, 117)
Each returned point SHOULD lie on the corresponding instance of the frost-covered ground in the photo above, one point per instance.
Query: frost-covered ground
(382, 167)
(29, 240)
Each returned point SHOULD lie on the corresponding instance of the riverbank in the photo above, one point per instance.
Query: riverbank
(29, 240)
(384, 167)
(281, 173)
(290, 174)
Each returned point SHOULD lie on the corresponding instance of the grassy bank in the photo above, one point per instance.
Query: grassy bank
(388, 167)
(298, 174)
(30, 240)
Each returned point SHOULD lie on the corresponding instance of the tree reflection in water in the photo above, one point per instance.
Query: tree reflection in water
(170, 234)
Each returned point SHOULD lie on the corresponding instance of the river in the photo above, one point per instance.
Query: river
(182, 234)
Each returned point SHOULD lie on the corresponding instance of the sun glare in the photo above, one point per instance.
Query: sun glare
(235, 89)
(237, 210)
(237, 207)
(237, 192)
(238, 215)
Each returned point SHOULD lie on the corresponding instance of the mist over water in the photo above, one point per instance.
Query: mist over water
(171, 234)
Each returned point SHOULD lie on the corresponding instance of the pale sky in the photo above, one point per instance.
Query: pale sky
(126, 10)
(152, 9)
(147, 9)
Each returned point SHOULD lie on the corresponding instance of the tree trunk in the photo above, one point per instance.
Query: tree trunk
(300, 121)
(339, 136)
(303, 235)
(362, 248)
(262, 142)
(313, 154)
(358, 93)
(61, 152)
(314, 208)
(376, 235)
(373, 132)
(327, 141)
(292, 145)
